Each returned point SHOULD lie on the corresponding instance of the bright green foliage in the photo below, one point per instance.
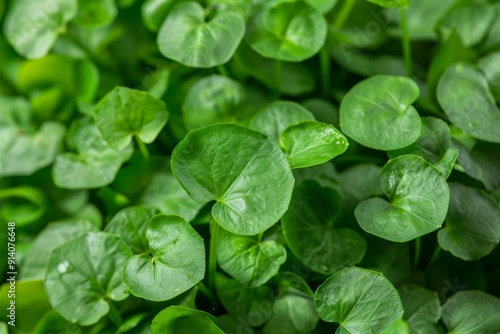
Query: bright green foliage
(418, 201)
(181, 320)
(392, 3)
(95, 13)
(377, 112)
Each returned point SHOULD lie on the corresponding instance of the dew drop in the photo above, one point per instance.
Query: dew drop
(63, 267)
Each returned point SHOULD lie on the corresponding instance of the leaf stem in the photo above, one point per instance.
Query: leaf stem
(324, 58)
(209, 294)
(114, 315)
(416, 255)
(143, 148)
(343, 13)
(223, 70)
(212, 257)
(406, 44)
(434, 256)
(277, 74)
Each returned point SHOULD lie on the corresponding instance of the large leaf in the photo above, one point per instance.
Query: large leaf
(183, 320)
(377, 112)
(418, 201)
(126, 112)
(472, 227)
(360, 300)
(176, 263)
(250, 261)
(289, 31)
(308, 226)
(32, 27)
(83, 273)
(243, 170)
(464, 95)
(188, 38)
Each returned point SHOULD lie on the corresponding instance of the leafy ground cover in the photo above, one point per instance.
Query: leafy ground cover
(238, 166)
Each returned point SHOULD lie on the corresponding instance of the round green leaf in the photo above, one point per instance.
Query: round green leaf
(469, 312)
(248, 260)
(274, 118)
(377, 112)
(183, 320)
(188, 38)
(32, 27)
(83, 273)
(360, 300)
(312, 143)
(243, 170)
(309, 232)
(463, 89)
(418, 201)
(472, 227)
(94, 14)
(125, 112)
(289, 31)
(176, 263)
(213, 99)
(130, 224)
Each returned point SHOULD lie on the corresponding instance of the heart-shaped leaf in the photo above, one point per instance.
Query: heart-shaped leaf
(309, 232)
(312, 143)
(418, 201)
(243, 170)
(360, 300)
(377, 112)
(183, 320)
(176, 263)
(472, 228)
(462, 89)
(188, 38)
(289, 31)
(126, 112)
(82, 273)
(250, 261)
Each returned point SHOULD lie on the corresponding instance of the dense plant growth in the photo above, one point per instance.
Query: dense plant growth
(250, 166)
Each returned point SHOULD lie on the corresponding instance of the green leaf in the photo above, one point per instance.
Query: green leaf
(55, 234)
(309, 232)
(187, 37)
(250, 261)
(94, 164)
(125, 112)
(243, 7)
(463, 88)
(398, 4)
(418, 201)
(83, 273)
(154, 12)
(490, 67)
(360, 300)
(213, 99)
(232, 326)
(377, 112)
(472, 312)
(423, 17)
(360, 182)
(289, 31)
(243, 170)
(325, 174)
(23, 148)
(183, 320)
(472, 227)
(95, 14)
(176, 263)
(312, 143)
(434, 145)
(24, 205)
(422, 308)
(130, 224)
(323, 110)
(252, 306)
(274, 118)
(398, 326)
(32, 27)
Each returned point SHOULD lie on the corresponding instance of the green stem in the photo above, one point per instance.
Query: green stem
(416, 256)
(209, 294)
(406, 44)
(343, 13)
(114, 315)
(277, 74)
(212, 257)
(223, 70)
(324, 58)
(434, 256)
(143, 148)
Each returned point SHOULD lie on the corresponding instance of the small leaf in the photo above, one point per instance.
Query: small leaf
(472, 227)
(176, 264)
(418, 201)
(422, 308)
(83, 272)
(398, 326)
(93, 14)
(312, 143)
(289, 31)
(243, 170)
(360, 182)
(126, 112)
(362, 301)
(377, 112)
(188, 38)
(250, 261)
(183, 320)
(490, 67)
